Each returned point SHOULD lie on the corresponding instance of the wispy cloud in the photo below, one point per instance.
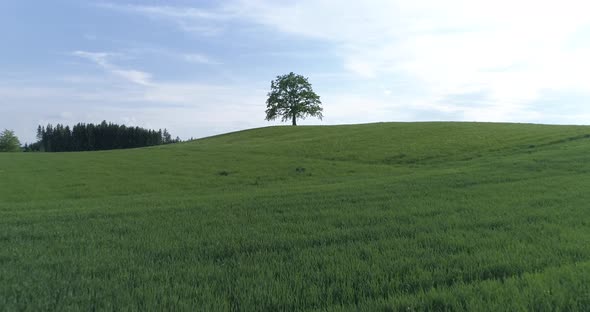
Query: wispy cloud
(161, 51)
(102, 59)
(205, 22)
(168, 11)
(134, 76)
(199, 59)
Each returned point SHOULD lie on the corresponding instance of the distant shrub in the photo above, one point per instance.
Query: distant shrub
(9, 142)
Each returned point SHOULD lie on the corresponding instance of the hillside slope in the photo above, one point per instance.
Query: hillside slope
(394, 216)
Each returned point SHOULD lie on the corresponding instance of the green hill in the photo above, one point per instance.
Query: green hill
(389, 216)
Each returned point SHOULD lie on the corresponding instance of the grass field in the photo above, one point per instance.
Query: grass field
(377, 217)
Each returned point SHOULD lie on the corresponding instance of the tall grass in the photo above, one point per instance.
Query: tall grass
(390, 217)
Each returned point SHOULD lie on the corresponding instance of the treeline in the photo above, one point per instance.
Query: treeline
(91, 137)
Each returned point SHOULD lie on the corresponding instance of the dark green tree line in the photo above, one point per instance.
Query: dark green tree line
(94, 137)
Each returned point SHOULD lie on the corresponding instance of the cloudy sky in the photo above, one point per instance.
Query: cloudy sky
(204, 67)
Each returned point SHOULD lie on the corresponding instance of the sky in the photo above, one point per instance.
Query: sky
(200, 68)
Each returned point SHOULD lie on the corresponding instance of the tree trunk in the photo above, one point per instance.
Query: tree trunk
(294, 120)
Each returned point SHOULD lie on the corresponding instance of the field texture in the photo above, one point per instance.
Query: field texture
(378, 217)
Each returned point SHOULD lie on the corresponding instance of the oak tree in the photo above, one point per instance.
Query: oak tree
(291, 97)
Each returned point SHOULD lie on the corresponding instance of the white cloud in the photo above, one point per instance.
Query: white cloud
(507, 51)
(399, 60)
(361, 68)
(510, 52)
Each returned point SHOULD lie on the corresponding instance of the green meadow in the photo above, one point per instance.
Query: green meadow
(375, 217)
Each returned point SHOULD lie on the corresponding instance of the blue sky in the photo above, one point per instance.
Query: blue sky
(204, 67)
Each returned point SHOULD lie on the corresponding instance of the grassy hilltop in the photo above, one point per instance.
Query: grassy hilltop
(389, 216)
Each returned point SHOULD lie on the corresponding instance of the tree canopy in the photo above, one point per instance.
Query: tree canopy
(9, 142)
(291, 97)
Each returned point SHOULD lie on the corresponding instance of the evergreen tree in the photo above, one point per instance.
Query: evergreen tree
(91, 137)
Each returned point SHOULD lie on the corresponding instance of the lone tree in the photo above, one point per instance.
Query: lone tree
(9, 142)
(292, 97)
